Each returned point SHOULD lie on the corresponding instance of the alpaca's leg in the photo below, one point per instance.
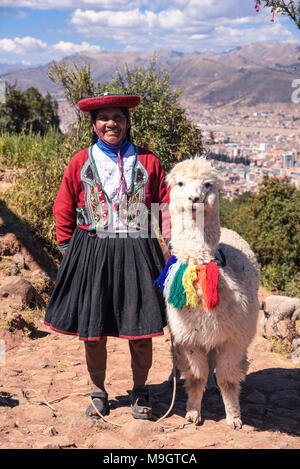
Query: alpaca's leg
(231, 367)
(193, 364)
(194, 388)
(275, 320)
(295, 316)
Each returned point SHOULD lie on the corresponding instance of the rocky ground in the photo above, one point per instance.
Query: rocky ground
(43, 378)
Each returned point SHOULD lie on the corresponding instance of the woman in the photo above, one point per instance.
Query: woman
(104, 286)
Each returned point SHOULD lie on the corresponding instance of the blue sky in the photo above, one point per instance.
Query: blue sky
(37, 31)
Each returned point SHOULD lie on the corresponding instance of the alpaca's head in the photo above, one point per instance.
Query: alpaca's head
(193, 182)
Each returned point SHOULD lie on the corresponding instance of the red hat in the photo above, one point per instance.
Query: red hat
(109, 100)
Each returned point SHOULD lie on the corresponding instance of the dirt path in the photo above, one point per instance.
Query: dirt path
(53, 366)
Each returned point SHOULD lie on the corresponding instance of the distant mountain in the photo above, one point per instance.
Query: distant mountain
(265, 54)
(103, 66)
(249, 75)
(6, 68)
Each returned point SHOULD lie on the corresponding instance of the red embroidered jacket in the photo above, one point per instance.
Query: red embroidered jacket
(82, 201)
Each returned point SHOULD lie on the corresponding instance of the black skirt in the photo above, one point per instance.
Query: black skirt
(104, 287)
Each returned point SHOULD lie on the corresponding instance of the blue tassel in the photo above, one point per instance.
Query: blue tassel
(160, 281)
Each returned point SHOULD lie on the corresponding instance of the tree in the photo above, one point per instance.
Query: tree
(14, 113)
(288, 8)
(159, 123)
(77, 84)
(43, 112)
(28, 111)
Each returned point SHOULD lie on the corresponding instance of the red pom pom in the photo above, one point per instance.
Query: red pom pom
(212, 279)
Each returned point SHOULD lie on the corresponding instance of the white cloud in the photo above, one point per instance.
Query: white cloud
(68, 48)
(169, 19)
(22, 45)
(231, 37)
(33, 46)
(112, 19)
(198, 37)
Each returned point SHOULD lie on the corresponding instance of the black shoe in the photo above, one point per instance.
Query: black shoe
(141, 408)
(100, 401)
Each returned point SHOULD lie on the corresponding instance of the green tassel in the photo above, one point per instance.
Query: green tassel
(177, 296)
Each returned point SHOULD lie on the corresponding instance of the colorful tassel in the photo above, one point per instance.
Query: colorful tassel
(169, 280)
(160, 281)
(201, 278)
(188, 279)
(212, 279)
(177, 296)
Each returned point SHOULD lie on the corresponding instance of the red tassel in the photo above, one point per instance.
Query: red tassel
(212, 280)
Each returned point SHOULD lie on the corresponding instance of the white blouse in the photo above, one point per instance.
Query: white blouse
(109, 174)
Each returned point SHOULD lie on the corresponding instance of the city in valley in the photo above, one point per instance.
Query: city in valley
(249, 143)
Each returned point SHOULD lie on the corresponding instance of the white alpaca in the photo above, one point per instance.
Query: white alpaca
(221, 334)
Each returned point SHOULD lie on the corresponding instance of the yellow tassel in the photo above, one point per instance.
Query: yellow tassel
(189, 276)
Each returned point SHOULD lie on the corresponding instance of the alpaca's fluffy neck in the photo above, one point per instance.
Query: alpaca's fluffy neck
(191, 243)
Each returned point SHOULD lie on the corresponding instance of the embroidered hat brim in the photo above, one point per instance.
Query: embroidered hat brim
(109, 100)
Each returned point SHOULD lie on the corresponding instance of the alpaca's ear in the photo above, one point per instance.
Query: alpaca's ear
(170, 180)
(220, 182)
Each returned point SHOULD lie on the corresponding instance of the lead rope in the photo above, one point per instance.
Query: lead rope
(161, 418)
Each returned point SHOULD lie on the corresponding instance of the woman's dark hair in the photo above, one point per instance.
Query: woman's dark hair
(94, 114)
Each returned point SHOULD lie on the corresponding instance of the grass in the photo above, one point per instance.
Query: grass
(7, 266)
(41, 161)
(41, 284)
(280, 346)
(21, 150)
(23, 318)
(61, 366)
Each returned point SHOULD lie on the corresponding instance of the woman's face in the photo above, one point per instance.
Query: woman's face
(111, 125)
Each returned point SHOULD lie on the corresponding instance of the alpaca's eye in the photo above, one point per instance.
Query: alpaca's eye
(180, 184)
(207, 185)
